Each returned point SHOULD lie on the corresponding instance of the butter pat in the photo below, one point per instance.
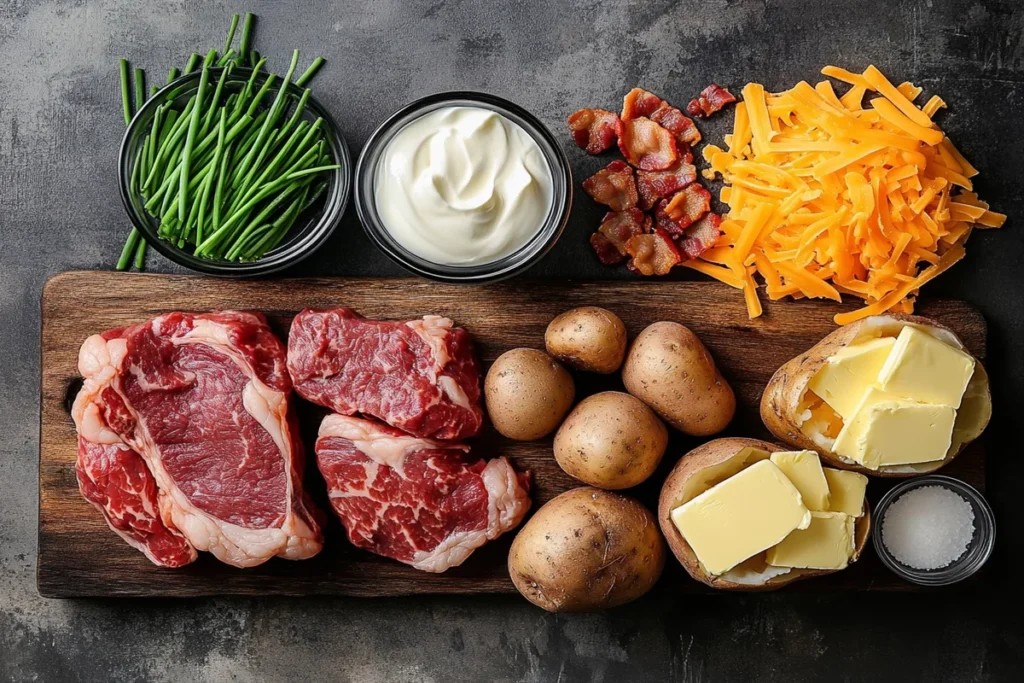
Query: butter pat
(827, 543)
(803, 468)
(846, 491)
(742, 516)
(924, 369)
(843, 379)
(892, 431)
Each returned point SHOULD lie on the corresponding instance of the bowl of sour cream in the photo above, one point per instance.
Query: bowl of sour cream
(463, 187)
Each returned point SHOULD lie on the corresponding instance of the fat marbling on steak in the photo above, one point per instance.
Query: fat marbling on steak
(187, 441)
(420, 376)
(424, 502)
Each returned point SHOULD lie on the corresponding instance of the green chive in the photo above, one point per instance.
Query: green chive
(126, 98)
(129, 250)
(186, 155)
(247, 30)
(307, 76)
(140, 89)
(231, 33)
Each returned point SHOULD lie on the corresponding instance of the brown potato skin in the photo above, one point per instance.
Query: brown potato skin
(713, 453)
(527, 393)
(611, 440)
(782, 396)
(587, 550)
(589, 338)
(669, 369)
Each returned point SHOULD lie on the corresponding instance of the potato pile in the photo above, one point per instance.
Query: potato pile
(589, 548)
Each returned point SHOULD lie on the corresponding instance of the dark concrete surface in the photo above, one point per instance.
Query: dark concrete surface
(60, 123)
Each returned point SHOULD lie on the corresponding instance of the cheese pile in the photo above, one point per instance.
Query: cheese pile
(827, 197)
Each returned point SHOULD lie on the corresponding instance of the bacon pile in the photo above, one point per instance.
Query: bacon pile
(660, 179)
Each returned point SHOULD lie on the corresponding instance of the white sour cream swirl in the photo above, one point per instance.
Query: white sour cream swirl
(463, 186)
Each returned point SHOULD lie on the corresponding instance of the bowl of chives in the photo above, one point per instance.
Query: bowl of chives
(225, 172)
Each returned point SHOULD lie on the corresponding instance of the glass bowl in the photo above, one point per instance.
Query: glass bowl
(978, 550)
(505, 267)
(311, 228)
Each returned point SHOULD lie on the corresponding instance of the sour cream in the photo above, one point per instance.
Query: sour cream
(463, 186)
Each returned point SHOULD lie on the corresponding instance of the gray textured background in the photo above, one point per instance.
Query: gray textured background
(60, 124)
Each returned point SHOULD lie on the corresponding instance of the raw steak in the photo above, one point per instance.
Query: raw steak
(423, 502)
(420, 376)
(187, 441)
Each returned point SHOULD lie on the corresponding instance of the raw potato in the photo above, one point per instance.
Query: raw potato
(611, 440)
(587, 550)
(713, 463)
(527, 394)
(784, 407)
(669, 369)
(587, 338)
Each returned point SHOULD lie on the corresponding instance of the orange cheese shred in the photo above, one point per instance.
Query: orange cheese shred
(830, 196)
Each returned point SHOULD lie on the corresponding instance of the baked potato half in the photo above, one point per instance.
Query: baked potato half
(711, 464)
(795, 415)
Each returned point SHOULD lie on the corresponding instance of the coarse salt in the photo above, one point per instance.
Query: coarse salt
(928, 527)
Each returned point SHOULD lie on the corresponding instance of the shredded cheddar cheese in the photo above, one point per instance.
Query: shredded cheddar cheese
(830, 195)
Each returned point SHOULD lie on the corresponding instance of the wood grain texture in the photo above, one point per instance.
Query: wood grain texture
(79, 556)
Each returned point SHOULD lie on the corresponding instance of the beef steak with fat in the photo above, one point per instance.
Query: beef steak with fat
(420, 376)
(187, 440)
(427, 503)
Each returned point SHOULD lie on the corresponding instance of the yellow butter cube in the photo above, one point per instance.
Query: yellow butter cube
(827, 543)
(740, 517)
(892, 431)
(924, 369)
(804, 469)
(846, 491)
(843, 379)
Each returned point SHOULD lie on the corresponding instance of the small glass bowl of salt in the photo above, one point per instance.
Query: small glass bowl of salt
(933, 530)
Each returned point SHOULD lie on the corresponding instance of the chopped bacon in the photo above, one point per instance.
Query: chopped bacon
(677, 123)
(711, 99)
(595, 130)
(606, 251)
(665, 222)
(689, 205)
(638, 102)
(619, 226)
(653, 254)
(613, 186)
(701, 236)
(647, 145)
(653, 185)
(685, 152)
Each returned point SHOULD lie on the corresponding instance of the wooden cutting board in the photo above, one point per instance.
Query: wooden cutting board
(80, 556)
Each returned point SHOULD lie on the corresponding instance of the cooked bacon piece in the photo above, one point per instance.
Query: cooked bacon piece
(677, 123)
(639, 102)
(653, 254)
(613, 186)
(595, 130)
(664, 221)
(685, 151)
(647, 145)
(620, 226)
(653, 185)
(689, 205)
(701, 236)
(607, 253)
(710, 100)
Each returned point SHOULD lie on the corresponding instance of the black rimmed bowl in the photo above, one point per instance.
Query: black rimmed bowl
(503, 268)
(311, 229)
(978, 550)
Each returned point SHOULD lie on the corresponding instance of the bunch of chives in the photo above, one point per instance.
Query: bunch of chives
(227, 173)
